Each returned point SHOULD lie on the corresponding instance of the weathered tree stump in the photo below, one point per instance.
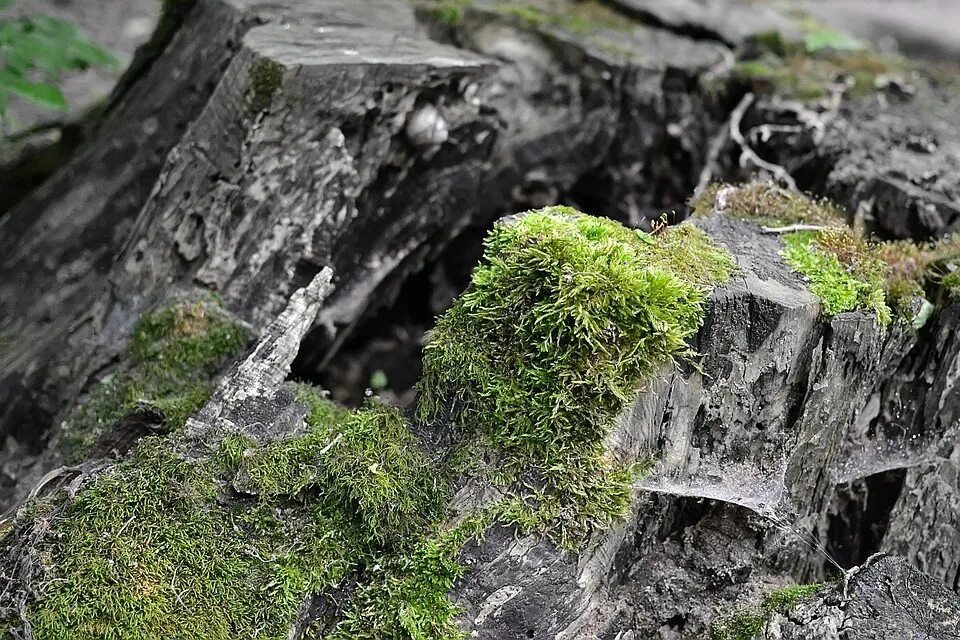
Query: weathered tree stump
(280, 169)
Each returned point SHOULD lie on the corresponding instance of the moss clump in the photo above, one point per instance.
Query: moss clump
(563, 323)
(843, 274)
(768, 204)
(447, 12)
(809, 68)
(265, 78)
(567, 318)
(173, 356)
(951, 282)
(146, 552)
(746, 625)
(368, 463)
(848, 271)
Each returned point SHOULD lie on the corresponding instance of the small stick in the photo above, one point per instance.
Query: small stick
(790, 228)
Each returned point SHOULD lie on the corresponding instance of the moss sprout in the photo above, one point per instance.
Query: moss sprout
(563, 323)
(748, 624)
(172, 358)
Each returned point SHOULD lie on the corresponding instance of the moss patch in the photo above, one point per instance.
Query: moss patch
(146, 552)
(565, 320)
(265, 78)
(561, 326)
(808, 68)
(855, 285)
(583, 17)
(746, 625)
(768, 204)
(847, 270)
(173, 356)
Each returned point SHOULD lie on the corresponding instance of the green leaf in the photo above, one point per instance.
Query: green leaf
(645, 237)
(830, 39)
(45, 95)
(5, 4)
(926, 310)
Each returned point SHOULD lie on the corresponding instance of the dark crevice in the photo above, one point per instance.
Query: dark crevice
(650, 18)
(860, 515)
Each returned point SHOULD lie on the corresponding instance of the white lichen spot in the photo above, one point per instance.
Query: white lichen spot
(495, 601)
(426, 127)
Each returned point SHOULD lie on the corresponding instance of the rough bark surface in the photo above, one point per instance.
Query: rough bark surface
(268, 143)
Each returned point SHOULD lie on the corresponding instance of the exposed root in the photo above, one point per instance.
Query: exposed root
(747, 154)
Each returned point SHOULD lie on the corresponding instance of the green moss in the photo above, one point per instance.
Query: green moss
(746, 625)
(563, 323)
(584, 17)
(951, 282)
(265, 78)
(145, 552)
(172, 358)
(848, 271)
(768, 204)
(807, 68)
(855, 286)
(368, 463)
(447, 12)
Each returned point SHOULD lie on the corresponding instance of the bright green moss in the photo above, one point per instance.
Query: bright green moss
(746, 625)
(146, 552)
(368, 463)
(839, 287)
(848, 270)
(561, 325)
(173, 356)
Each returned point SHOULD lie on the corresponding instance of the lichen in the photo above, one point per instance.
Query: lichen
(172, 357)
(566, 319)
(746, 625)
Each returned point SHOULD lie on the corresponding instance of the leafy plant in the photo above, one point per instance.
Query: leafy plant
(35, 53)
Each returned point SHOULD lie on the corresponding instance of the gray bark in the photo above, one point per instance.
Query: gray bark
(269, 141)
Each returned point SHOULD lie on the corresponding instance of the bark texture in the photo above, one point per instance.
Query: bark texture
(302, 159)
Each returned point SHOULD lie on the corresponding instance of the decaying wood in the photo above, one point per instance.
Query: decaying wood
(273, 150)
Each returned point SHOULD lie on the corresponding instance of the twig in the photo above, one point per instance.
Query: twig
(790, 228)
(747, 153)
